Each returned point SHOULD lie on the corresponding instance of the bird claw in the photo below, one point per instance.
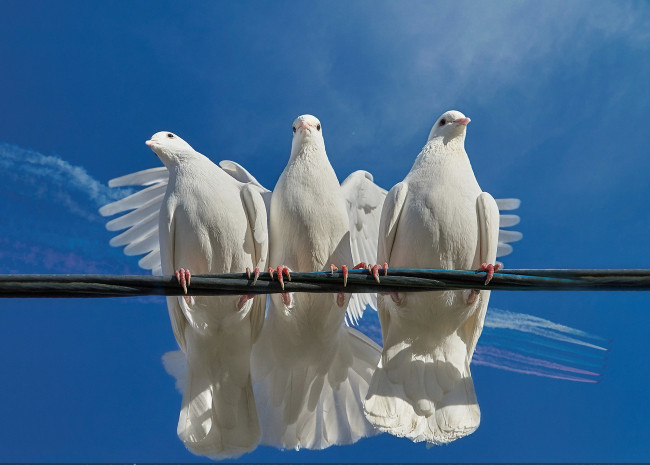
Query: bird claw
(344, 269)
(490, 270)
(283, 271)
(375, 272)
(256, 274)
(385, 268)
(359, 266)
(471, 298)
(183, 276)
(243, 299)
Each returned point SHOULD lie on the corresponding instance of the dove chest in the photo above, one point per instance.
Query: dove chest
(208, 227)
(308, 220)
(438, 229)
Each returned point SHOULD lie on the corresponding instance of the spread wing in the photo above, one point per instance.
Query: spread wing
(505, 220)
(364, 201)
(141, 217)
(139, 212)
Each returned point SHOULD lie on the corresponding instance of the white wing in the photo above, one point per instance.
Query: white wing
(364, 201)
(141, 218)
(242, 175)
(140, 211)
(506, 236)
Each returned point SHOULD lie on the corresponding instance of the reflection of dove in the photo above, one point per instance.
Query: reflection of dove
(311, 371)
(209, 223)
(438, 217)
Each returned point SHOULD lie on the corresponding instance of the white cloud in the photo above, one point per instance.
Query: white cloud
(48, 176)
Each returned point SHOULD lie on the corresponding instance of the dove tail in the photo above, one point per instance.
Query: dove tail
(422, 396)
(315, 404)
(218, 417)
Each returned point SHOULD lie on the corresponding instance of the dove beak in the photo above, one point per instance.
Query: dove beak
(463, 121)
(149, 143)
(304, 125)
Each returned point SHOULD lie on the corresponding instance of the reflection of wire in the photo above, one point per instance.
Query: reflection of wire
(399, 280)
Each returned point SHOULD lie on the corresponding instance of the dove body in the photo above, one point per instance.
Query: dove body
(311, 371)
(438, 217)
(211, 223)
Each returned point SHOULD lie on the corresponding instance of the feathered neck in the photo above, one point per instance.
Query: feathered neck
(438, 150)
(312, 150)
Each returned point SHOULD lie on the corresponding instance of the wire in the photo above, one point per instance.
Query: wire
(398, 280)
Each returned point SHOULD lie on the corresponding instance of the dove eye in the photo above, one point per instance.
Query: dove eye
(170, 135)
(318, 126)
(294, 129)
(443, 122)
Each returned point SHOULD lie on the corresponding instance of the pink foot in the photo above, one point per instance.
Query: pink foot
(490, 271)
(183, 276)
(471, 298)
(282, 272)
(243, 299)
(375, 272)
(256, 274)
(344, 269)
(385, 268)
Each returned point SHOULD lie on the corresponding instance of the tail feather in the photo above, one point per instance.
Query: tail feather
(218, 417)
(424, 397)
(314, 404)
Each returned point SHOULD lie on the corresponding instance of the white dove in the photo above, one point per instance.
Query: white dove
(208, 223)
(311, 371)
(439, 218)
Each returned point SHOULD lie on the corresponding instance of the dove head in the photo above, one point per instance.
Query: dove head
(169, 147)
(306, 131)
(451, 125)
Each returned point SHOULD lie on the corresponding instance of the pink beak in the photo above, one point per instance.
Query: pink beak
(149, 143)
(304, 124)
(463, 121)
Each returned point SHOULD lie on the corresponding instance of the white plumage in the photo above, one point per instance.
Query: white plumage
(330, 414)
(208, 223)
(438, 217)
(311, 371)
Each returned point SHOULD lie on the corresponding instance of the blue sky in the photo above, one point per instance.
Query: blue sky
(559, 101)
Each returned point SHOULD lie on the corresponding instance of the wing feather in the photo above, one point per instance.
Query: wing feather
(505, 236)
(364, 200)
(141, 178)
(488, 226)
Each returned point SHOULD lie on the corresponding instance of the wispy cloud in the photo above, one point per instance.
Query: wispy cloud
(532, 345)
(49, 220)
(52, 178)
(524, 323)
(511, 361)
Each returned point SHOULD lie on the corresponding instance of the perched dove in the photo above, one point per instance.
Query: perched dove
(439, 218)
(208, 223)
(311, 371)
